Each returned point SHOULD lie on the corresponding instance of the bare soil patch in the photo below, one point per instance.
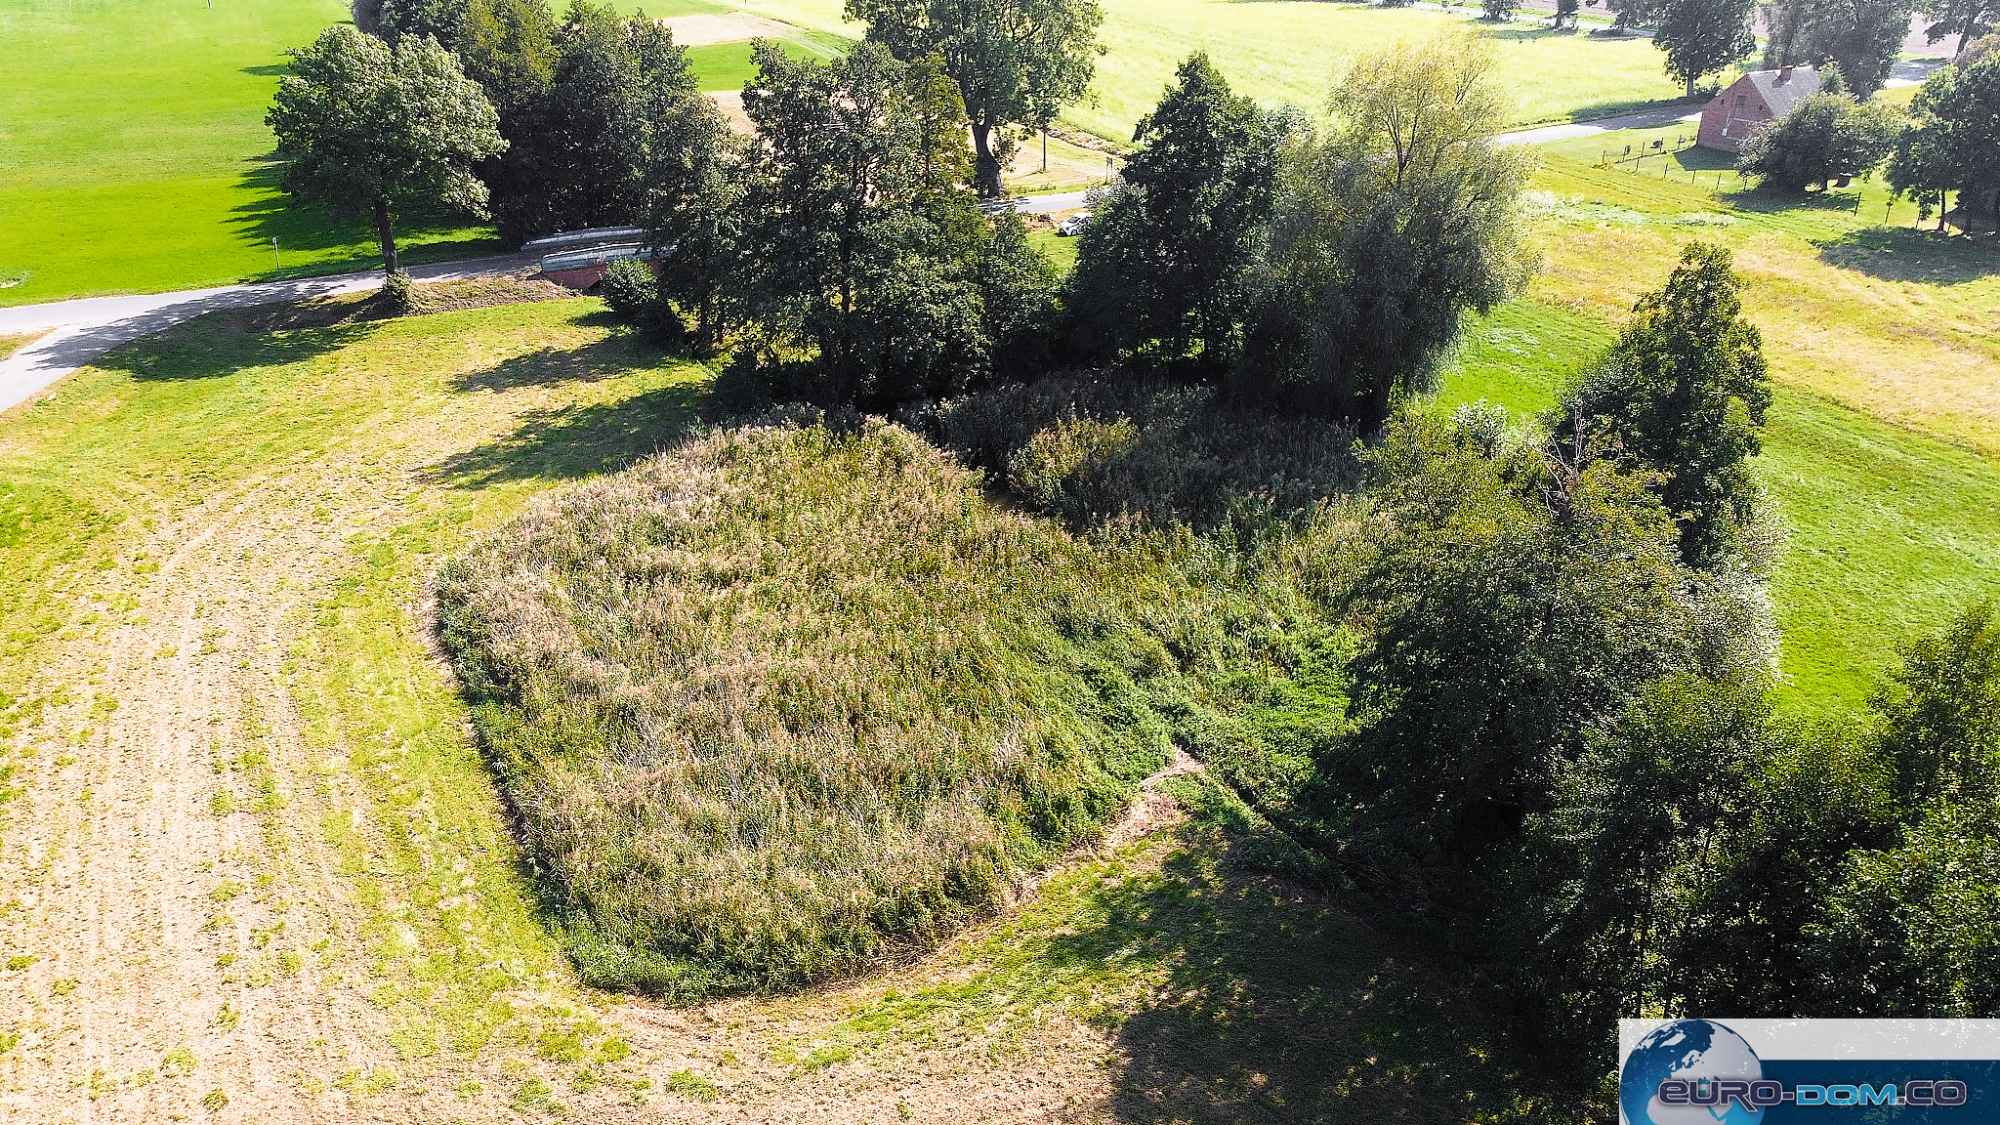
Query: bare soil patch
(704, 30)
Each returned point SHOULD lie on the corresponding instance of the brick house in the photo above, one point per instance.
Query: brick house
(1754, 99)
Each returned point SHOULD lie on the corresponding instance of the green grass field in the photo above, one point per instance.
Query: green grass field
(133, 151)
(1890, 531)
(1883, 453)
(134, 155)
(1286, 51)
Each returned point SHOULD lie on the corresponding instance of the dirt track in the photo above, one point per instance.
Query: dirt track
(194, 948)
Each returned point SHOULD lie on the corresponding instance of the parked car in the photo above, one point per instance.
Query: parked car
(1073, 226)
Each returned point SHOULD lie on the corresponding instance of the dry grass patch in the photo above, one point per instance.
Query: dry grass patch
(14, 342)
(797, 697)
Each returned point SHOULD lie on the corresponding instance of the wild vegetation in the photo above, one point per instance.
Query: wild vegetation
(753, 754)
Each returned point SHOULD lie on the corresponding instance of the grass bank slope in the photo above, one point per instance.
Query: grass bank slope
(792, 697)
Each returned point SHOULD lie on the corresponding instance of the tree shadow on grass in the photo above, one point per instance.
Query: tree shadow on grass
(602, 360)
(1904, 254)
(267, 213)
(214, 343)
(1764, 201)
(1284, 1005)
(572, 442)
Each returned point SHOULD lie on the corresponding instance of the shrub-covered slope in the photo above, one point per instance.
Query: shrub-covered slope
(790, 697)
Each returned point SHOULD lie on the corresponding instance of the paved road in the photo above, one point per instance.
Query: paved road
(81, 330)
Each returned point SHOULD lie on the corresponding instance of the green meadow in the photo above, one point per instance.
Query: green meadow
(134, 155)
(1283, 51)
(1883, 340)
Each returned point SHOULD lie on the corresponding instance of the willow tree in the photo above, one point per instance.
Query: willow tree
(1015, 61)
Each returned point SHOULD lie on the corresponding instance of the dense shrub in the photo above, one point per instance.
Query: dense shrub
(1914, 930)
(792, 697)
(1113, 450)
(632, 291)
(1514, 605)
(1826, 136)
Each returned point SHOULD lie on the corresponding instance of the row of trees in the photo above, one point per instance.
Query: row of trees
(489, 108)
(586, 122)
(1323, 267)
(1326, 268)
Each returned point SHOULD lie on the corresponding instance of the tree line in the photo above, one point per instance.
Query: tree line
(496, 109)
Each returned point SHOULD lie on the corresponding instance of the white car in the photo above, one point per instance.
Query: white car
(1073, 226)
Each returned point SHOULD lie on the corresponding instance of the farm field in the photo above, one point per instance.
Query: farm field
(1283, 51)
(1884, 448)
(222, 539)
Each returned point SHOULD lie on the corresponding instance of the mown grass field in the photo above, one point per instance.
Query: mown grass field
(1884, 341)
(1285, 51)
(134, 155)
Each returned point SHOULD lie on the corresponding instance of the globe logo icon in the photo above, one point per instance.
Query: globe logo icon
(1686, 1049)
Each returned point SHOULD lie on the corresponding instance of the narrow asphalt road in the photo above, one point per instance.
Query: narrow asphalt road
(81, 330)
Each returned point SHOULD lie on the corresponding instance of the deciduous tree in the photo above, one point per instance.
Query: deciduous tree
(867, 267)
(1862, 37)
(1702, 37)
(587, 145)
(442, 20)
(1012, 59)
(1683, 394)
(1164, 264)
(1966, 19)
(363, 127)
(695, 188)
(1387, 229)
(1826, 136)
(1953, 143)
